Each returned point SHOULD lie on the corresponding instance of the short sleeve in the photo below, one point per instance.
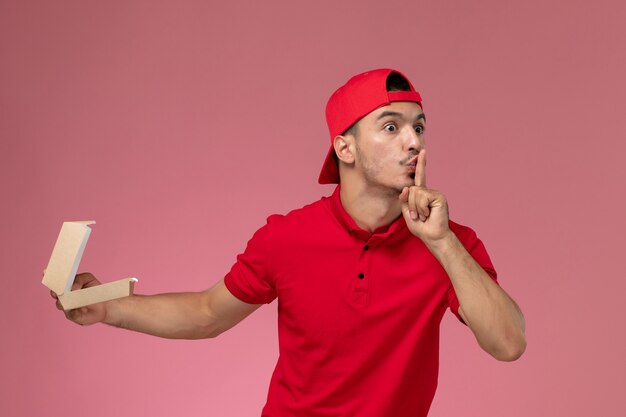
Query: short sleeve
(250, 278)
(477, 250)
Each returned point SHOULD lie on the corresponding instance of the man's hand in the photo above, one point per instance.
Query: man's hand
(95, 313)
(425, 211)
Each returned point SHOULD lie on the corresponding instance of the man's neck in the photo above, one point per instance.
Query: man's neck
(370, 209)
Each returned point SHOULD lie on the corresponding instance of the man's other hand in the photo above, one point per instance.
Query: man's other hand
(84, 316)
(425, 211)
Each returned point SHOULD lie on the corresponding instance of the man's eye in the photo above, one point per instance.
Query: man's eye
(419, 129)
(390, 127)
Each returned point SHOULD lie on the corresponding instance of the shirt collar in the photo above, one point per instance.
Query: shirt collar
(350, 225)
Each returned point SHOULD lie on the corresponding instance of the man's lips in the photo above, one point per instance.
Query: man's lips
(412, 163)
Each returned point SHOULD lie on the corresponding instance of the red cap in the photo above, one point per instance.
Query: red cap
(352, 101)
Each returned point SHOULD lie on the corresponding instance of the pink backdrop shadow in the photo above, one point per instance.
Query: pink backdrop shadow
(180, 126)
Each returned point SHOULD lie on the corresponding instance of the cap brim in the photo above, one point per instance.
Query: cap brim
(330, 172)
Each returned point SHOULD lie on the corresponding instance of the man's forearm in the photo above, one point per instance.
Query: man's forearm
(174, 315)
(494, 318)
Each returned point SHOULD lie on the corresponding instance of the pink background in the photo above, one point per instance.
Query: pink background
(180, 126)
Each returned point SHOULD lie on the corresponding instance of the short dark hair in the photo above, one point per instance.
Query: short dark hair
(352, 130)
(396, 82)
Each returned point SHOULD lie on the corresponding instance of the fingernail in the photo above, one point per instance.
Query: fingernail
(422, 218)
(413, 215)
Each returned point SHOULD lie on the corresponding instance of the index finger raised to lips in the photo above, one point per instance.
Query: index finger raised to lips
(420, 169)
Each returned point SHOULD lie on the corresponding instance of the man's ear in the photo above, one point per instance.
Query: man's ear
(344, 148)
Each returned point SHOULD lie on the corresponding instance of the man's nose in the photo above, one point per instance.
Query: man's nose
(412, 139)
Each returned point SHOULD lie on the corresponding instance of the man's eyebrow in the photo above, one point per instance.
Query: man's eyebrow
(397, 114)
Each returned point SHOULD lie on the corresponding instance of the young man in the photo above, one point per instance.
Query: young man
(362, 278)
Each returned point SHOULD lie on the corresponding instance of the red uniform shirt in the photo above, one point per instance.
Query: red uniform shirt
(358, 312)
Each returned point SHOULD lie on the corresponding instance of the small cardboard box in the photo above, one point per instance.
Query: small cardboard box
(63, 264)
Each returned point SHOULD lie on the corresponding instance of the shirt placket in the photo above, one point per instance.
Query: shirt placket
(362, 273)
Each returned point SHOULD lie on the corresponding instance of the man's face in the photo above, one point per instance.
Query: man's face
(387, 143)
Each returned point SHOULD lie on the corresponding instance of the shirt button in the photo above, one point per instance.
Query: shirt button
(366, 247)
(361, 275)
